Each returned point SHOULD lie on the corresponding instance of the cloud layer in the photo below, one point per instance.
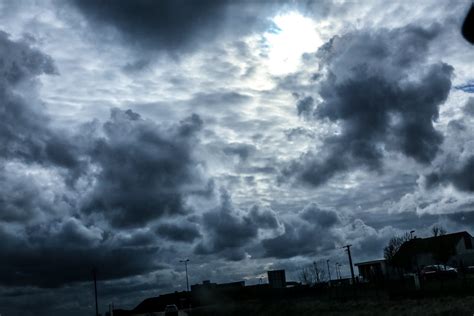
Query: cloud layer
(383, 95)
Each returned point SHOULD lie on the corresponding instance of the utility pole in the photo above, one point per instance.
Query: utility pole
(186, 268)
(329, 272)
(348, 247)
(94, 275)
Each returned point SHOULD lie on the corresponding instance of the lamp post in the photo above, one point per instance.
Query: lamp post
(329, 272)
(186, 268)
(94, 276)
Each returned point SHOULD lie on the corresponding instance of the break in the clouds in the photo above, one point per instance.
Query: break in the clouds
(115, 156)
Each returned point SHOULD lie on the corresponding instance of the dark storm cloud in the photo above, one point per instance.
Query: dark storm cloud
(146, 170)
(58, 253)
(296, 241)
(382, 99)
(53, 230)
(324, 218)
(21, 198)
(228, 232)
(462, 176)
(25, 133)
(310, 232)
(265, 218)
(172, 25)
(178, 232)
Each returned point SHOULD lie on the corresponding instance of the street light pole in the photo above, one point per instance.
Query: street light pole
(186, 268)
(329, 271)
(94, 275)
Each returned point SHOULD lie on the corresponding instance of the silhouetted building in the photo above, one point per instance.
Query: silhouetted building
(451, 249)
(277, 278)
(207, 285)
(375, 270)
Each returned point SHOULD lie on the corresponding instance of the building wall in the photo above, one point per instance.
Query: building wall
(277, 278)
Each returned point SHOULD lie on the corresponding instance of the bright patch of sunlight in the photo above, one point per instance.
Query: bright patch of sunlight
(292, 36)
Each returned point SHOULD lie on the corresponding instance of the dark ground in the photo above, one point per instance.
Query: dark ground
(424, 307)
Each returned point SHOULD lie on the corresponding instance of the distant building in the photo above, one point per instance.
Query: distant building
(277, 278)
(207, 285)
(375, 270)
(451, 249)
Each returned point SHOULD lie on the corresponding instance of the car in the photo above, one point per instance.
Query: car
(438, 271)
(171, 310)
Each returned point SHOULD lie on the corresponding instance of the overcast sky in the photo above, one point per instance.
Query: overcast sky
(244, 136)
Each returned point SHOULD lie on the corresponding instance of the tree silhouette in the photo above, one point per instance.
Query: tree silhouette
(438, 230)
(394, 245)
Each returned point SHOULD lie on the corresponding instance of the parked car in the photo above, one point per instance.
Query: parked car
(438, 271)
(171, 310)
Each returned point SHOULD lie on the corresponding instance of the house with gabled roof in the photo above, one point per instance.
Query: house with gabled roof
(454, 250)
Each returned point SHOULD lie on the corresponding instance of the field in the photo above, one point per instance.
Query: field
(427, 306)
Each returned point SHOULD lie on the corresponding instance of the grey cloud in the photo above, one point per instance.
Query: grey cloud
(42, 250)
(296, 241)
(21, 198)
(265, 218)
(135, 172)
(228, 232)
(310, 232)
(173, 25)
(178, 232)
(384, 95)
(146, 170)
(21, 62)
(293, 133)
(323, 218)
(25, 132)
(460, 176)
(321, 232)
(222, 99)
(58, 253)
(305, 106)
(243, 151)
(469, 107)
